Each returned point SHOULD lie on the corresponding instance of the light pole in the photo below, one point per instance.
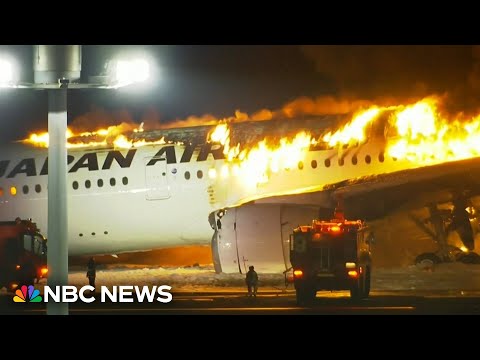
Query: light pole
(57, 65)
(56, 69)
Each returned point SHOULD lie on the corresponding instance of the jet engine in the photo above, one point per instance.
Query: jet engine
(256, 234)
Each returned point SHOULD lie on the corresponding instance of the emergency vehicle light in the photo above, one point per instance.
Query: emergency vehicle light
(297, 273)
(335, 228)
(353, 273)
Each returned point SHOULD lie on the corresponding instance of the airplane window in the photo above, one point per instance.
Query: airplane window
(88, 184)
(354, 160)
(38, 188)
(99, 182)
(1, 191)
(314, 164)
(105, 232)
(394, 158)
(93, 233)
(75, 185)
(13, 190)
(327, 162)
(341, 161)
(368, 159)
(25, 189)
(187, 175)
(125, 180)
(381, 157)
(80, 234)
(112, 181)
(300, 165)
(199, 174)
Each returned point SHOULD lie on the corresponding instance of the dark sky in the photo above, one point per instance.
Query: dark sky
(217, 80)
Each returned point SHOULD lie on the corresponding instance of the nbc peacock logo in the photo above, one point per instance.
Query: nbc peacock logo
(27, 294)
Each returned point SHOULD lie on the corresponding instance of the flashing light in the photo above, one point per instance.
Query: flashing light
(350, 265)
(44, 270)
(353, 273)
(335, 228)
(18, 267)
(297, 273)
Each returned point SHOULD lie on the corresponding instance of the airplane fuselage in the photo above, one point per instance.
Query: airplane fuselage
(118, 200)
(161, 195)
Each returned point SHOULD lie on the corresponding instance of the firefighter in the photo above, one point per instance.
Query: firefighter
(252, 281)
(91, 271)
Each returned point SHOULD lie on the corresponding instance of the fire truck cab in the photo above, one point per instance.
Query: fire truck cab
(331, 255)
(23, 253)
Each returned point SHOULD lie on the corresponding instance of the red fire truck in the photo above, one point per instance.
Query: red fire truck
(23, 253)
(331, 255)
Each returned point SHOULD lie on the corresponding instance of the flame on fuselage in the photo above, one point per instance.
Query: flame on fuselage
(416, 132)
(255, 164)
(354, 131)
(426, 137)
(113, 135)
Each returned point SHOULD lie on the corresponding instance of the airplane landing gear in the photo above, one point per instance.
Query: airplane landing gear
(469, 258)
(441, 222)
(427, 259)
(431, 259)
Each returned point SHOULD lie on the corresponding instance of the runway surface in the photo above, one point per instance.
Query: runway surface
(271, 302)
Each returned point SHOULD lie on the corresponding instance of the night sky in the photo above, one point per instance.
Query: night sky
(217, 80)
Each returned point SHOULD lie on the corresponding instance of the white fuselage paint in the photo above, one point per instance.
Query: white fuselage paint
(122, 217)
(160, 207)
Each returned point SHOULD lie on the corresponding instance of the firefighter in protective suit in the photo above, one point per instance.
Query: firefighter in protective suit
(91, 271)
(251, 280)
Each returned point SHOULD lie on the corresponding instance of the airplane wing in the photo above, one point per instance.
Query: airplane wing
(370, 197)
(375, 196)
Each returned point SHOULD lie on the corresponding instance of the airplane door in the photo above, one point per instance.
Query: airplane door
(156, 179)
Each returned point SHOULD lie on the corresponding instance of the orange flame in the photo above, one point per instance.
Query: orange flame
(427, 137)
(421, 135)
(354, 131)
(255, 164)
(102, 137)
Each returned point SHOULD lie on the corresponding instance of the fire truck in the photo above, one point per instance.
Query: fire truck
(331, 255)
(23, 253)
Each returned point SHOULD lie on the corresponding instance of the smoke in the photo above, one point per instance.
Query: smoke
(192, 120)
(362, 75)
(99, 118)
(474, 75)
(302, 106)
(401, 71)
(151, 119)
(322, 105)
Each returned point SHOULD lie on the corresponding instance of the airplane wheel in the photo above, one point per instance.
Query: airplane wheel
(427, 259)
(470, 258)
